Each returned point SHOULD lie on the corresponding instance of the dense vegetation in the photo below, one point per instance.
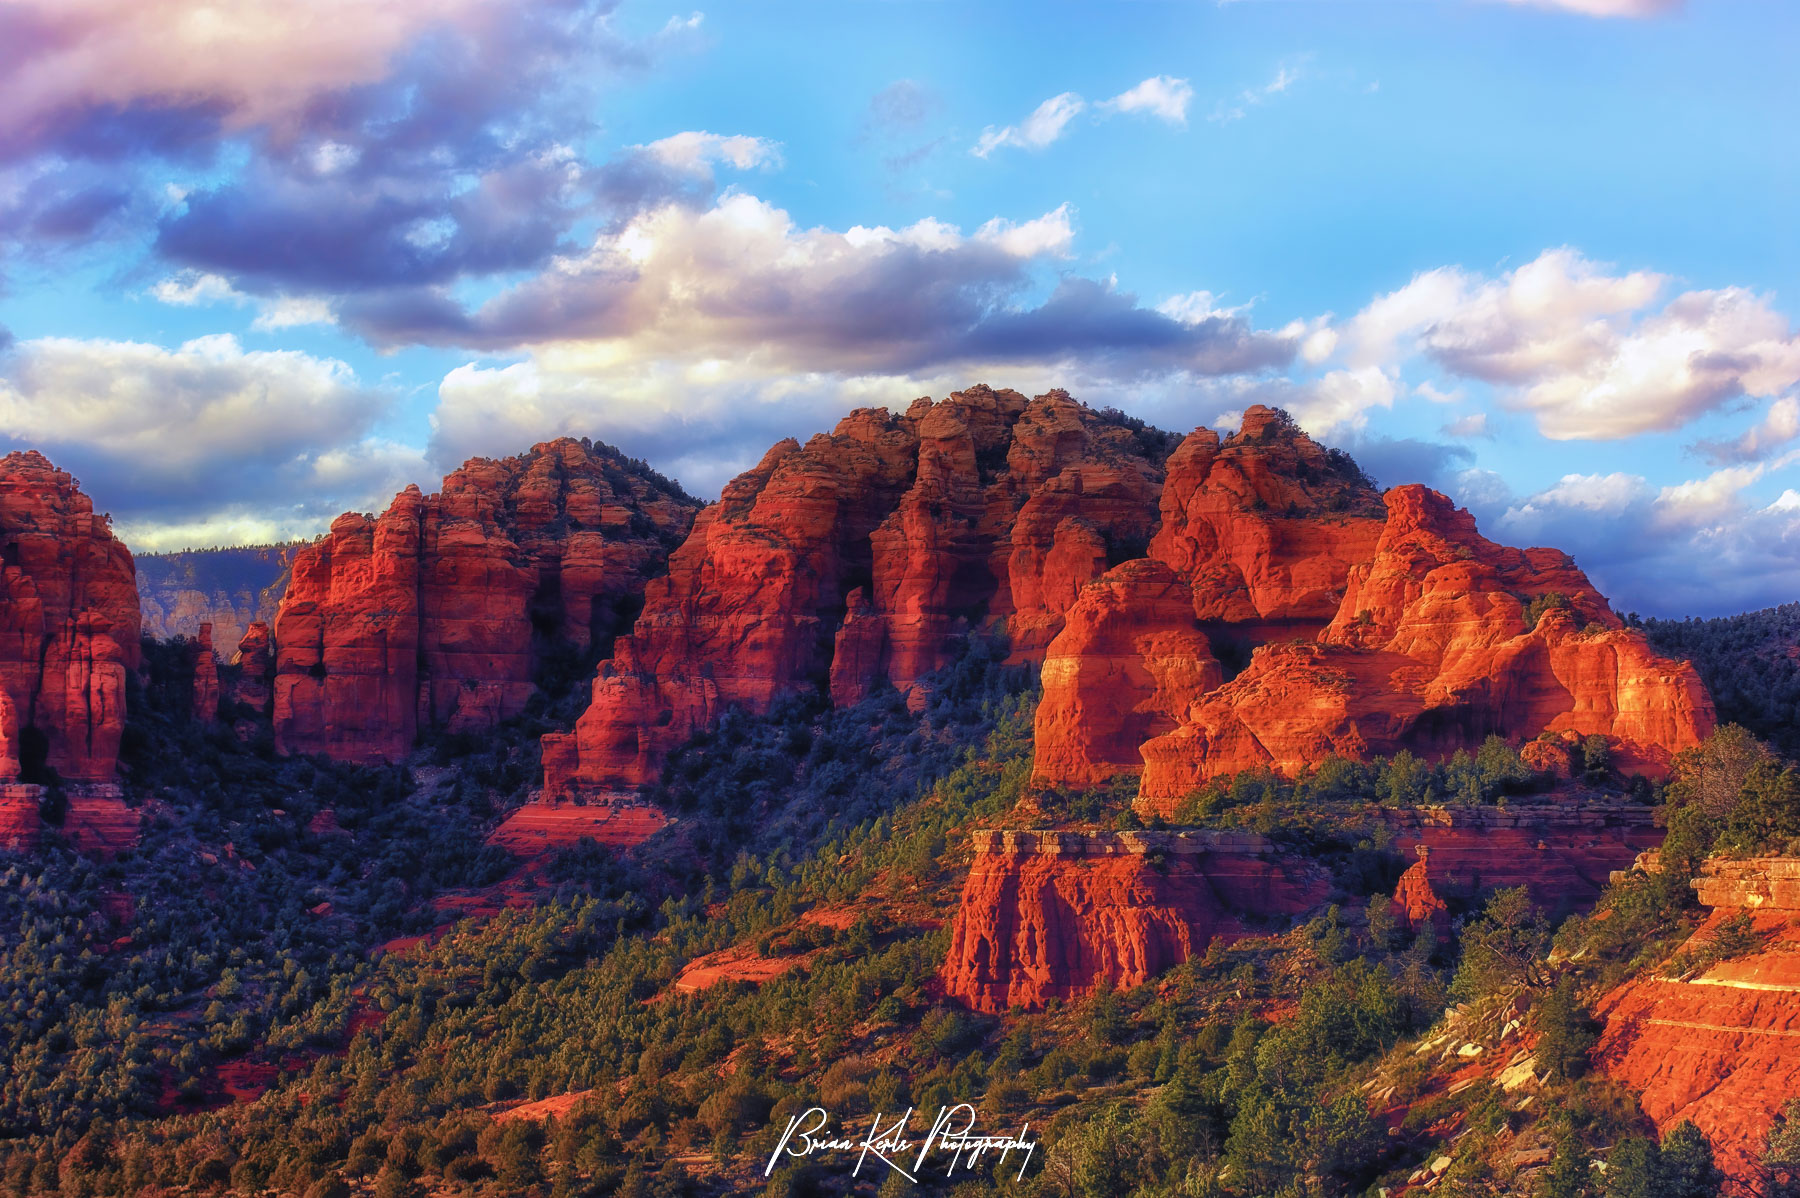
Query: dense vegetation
(1299, 1062)
(1750, 662)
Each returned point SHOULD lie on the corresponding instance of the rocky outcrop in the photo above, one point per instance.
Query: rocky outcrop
(1056, 914)
(1130, 658)
(437, 613)
(1720, 1045)
(229, 588)
(68, 622)
(253, 685)
(1416, 905)
(1368, 627)
(869, 555)
(1564, 854)
(1266, 526)
(1442, 638)
(206, 676)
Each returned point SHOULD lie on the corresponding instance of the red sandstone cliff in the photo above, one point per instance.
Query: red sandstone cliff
(1053, 915)
(865, 556)
(435, 613)
(1720, 1046)
(1431, 649)
(1265, 526)
(1129, 660)
(68, 623)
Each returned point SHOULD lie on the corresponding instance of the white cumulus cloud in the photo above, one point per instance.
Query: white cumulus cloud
(1045, 124)
(1162, 96)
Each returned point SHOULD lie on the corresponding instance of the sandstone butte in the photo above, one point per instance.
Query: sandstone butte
(435, 614)
(1720, 1046)
(1374, 623)
(865, 558)
(68, 627)
(1242, 602)
(1055, 914)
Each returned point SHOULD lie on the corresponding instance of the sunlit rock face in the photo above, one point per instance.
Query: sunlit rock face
(436, 613)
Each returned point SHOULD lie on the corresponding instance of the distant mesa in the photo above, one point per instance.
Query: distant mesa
(229, 588)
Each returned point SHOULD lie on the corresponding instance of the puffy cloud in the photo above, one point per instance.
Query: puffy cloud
(740, 282)
(1699, 547)
(1160, 96)
(191, 289)
(1780, 426)
(176, 438)
(370, 145)
(696, 152)
(1394, 461)
(1045, 124)
(1580, 348)
(100, 77)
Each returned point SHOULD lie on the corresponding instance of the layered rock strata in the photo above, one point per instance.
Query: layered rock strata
(1056, 914)
(437, 613)
(1563, 855)
(1720, 1045)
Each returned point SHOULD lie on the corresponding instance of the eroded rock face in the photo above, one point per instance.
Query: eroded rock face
(206, 676)
(437, 612)
(1432, 649)
(68, 622)
(1130, 658)
(1416, 905)
(1266, 525)
(868, 556)
(1054, 914)
(1721, 1047)
(255, 659)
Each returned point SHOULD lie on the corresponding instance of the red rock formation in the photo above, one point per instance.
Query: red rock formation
(857, 653)
(1266, 525)
(255, 662)
(1130, 657)
(20, 826)
(68, 621)
(1563, 854)
(962, 514)
(1431, 649)
(542, 826)
(9, 739)
(1053, 915)
(206, 676)
(1721, 1046)
(1416, 904)
(436, 613)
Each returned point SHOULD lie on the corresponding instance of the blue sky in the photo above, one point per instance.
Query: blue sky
(260, 265)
